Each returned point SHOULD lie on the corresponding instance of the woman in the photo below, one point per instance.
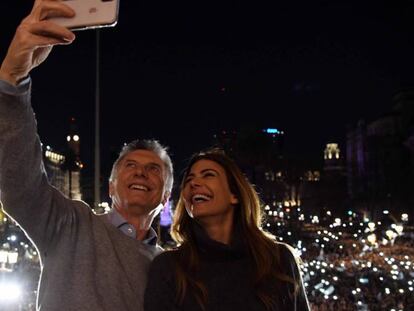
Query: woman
(224, 260)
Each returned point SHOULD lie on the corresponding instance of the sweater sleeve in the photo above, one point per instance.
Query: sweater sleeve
(25, 192)
(160, 292)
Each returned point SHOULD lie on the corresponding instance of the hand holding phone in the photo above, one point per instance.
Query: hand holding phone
(90, 14)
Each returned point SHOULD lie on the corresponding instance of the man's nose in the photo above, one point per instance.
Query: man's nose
(140, 170)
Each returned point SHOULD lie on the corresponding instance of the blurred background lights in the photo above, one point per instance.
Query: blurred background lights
(9, 292)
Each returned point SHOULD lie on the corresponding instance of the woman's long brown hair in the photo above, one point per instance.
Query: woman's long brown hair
(268, 275)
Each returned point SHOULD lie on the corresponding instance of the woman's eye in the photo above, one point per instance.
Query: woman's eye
(209, 174)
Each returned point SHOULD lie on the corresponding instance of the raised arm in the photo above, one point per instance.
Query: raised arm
(24, 190)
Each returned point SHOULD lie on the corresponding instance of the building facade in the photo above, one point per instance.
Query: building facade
(380, 160)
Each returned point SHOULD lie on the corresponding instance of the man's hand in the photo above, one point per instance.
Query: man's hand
(34, 39)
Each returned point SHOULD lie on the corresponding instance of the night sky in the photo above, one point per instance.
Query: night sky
(180, 71)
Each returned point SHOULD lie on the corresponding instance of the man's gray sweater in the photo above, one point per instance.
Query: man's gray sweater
(87, 264)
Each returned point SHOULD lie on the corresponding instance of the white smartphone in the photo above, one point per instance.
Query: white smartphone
(90, 14)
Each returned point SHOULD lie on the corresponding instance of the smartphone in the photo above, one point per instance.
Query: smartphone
(90, 14)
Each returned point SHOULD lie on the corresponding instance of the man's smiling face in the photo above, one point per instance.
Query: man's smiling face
(139, 183)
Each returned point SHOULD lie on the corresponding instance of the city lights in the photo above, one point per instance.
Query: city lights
(342, 257)
(9, 292)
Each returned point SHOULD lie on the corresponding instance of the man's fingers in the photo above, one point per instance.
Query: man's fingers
(50, 8)
(34, 39)
(49, 41)
(51, 30)
(36, 3)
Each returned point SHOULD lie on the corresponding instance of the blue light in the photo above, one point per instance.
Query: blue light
(272, 131)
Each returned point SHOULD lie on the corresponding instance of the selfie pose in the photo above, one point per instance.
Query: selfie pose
(88, 262)
(224, 261)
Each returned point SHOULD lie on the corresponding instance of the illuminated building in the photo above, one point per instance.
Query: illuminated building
(73, 165)
(334, 182)
(332, 155)
(380, 159)
(63, 169)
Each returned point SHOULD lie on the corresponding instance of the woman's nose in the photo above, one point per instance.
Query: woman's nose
(195, 182)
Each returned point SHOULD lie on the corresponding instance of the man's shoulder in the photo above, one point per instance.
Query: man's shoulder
(77, 206)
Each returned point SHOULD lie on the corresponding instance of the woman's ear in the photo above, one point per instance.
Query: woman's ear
(234, 200)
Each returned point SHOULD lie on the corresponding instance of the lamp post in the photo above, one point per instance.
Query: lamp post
(97, 182)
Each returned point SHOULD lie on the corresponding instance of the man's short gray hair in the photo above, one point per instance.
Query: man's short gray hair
(150, 145)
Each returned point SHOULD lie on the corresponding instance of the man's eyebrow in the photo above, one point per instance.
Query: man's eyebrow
(155, 164)
(129, 160)
(149, 163)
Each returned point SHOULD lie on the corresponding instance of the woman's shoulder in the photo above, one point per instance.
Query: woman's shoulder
(288, 253)
(170, 254)
(164, 263)
(290, 260)
(166, 257)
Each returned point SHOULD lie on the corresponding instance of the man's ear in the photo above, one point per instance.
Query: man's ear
(111, 189)
(234, 200)
(165, 197)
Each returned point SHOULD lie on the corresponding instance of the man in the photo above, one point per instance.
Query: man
(89, 262)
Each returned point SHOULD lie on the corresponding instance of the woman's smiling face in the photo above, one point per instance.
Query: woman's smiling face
(206, 191)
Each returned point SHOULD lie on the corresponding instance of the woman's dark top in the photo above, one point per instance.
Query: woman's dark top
(225, 270)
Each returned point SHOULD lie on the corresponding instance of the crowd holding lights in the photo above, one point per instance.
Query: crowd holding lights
(351, 263)
(348, 263)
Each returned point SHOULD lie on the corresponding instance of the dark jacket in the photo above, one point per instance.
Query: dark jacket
(226, 272)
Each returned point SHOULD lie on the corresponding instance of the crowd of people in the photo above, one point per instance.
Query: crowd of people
(343, 271)
(224, 260)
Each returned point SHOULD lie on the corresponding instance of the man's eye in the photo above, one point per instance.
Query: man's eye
(154, 169)
(130, 164)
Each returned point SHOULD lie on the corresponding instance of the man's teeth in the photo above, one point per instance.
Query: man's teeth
(139, 187)
(200, 198)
